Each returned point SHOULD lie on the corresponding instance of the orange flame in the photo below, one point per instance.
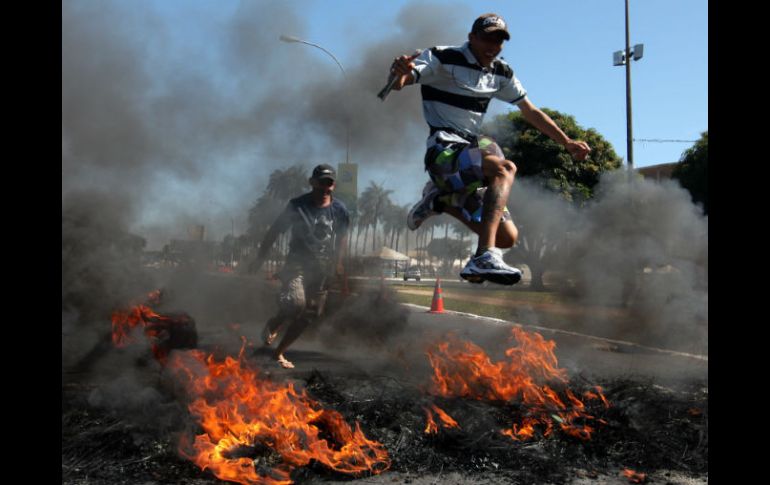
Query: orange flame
(430, 425)
(124, 321)
(634, 477)
(241, 411)
(445, 418)
(153, 325)
(462, 369)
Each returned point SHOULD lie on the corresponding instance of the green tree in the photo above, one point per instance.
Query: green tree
(542, 219)
(288, 183)
(372, 203)
(447, 250)
(537, 156)
(282, 186)
(394, 222)
(692, 171)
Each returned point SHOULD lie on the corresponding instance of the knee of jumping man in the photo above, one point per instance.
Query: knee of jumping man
(498, 169)
(487, 264)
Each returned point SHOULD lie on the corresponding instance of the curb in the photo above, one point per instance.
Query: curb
(498, 321)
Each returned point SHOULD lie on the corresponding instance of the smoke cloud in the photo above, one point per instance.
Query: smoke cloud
(187, 128)
(644, 245)
(161, 130)
(635, 258)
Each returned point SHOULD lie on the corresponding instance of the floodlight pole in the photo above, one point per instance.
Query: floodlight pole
(291, 39)
(629, 127)
(625, 57)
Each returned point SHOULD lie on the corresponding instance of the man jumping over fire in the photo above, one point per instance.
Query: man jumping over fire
(319, 225)
(470, 177)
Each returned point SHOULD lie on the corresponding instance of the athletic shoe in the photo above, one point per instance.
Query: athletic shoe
(424, 208)
(490, 267)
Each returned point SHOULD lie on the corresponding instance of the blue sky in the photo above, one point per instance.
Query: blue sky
(196, 101)
(562, 51)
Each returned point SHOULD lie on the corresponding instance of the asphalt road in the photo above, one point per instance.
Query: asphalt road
(373, 335)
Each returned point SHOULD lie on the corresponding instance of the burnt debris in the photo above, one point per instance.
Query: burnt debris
(648, 427)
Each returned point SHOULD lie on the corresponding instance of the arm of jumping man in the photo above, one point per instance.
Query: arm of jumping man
(407, 71)
(540, 120)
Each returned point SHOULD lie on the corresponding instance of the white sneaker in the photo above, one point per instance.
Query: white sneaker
(490, 267)
(424, 208)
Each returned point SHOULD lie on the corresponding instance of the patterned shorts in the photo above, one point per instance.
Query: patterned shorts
(300, 294)
(455, 168)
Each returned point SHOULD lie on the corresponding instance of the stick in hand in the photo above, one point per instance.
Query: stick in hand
(392, 80)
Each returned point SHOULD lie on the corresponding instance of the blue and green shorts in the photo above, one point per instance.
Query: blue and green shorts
(455, 168)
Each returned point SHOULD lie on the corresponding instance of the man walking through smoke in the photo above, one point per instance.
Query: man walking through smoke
(319, 225)
(470, 177)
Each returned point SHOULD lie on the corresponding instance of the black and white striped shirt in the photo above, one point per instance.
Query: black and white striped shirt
(456, 90)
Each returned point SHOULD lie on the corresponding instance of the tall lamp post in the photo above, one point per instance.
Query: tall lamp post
(292, 39)
(623, 58)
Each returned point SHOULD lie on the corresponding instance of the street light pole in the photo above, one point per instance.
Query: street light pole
(292, 39)
(629, 128)
(623, 58)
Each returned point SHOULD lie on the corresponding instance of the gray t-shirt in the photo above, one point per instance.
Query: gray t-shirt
(315, 232)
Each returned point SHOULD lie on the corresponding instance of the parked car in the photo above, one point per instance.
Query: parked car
(412, 273)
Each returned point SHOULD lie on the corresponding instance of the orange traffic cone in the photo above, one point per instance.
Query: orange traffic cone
(437, 306)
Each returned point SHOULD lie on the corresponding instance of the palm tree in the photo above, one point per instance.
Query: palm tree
(461, 230)
(353, 221)
(428, 226)
(282, 185)
(393, 221)
(399, 213)
(364, 221)
(288, 183)
(372, 202)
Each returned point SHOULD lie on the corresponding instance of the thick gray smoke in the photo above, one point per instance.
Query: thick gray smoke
(188, 128)
(100, 267)
(635, 257)
(161, 130)
(644, 246)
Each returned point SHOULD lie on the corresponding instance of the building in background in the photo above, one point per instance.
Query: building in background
(196, 232)
(657, 172)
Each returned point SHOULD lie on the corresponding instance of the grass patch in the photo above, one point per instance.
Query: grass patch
(508, 294)
(461, 306)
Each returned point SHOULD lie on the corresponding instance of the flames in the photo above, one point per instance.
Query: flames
(241, 412)
(462, 369)
(124, 321)
(257, 431)
(446, 420)
(634, 477)
(154, 326)
(160, 330)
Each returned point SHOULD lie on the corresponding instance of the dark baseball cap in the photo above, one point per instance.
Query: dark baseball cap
(490, 22)
(324, 171)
